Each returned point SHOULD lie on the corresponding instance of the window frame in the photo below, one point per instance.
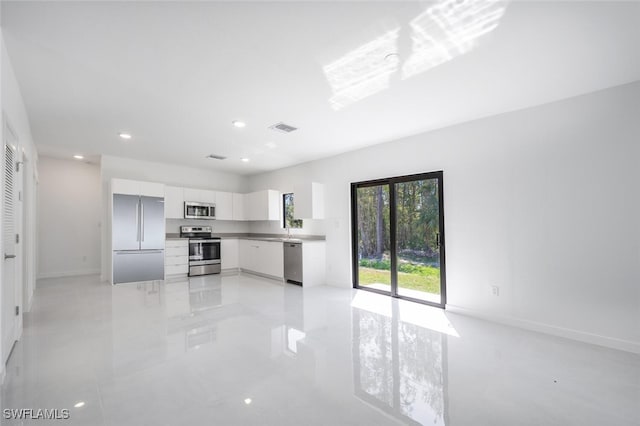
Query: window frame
(294, 223)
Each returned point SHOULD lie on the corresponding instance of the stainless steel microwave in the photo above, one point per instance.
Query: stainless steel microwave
(194, 210)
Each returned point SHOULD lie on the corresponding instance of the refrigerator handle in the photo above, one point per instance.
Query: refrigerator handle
(142, 219)
(138, 221)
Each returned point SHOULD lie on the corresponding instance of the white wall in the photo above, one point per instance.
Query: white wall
(69, 218)
(170, 174)
(15, 114)
(542, 202)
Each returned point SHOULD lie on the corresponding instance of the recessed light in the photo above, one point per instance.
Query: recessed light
(125, 135)
(244, 159)
(78, 157)
(79, 404)
(238, 123)
(247, 401)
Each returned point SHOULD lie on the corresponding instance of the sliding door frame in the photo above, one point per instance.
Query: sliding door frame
(391, 182)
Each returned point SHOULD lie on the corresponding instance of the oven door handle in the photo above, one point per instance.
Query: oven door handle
(203, 262)
(215, 240)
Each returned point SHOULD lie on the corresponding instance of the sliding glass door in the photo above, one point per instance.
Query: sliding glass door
(373, 236)
(398, 237)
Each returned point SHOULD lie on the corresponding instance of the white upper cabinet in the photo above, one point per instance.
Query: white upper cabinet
(259, 205)
(308, 201)
(224, 205)
(200, 195)
(263, 205)
(192, 194)
(174, 202)
(136, 187)
(238, 206)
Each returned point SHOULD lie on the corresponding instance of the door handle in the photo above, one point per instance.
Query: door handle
(9, 256)
(142, 219)
(438, 242)
(138, 221)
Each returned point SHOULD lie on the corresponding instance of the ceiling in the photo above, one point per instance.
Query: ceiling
(176, 74)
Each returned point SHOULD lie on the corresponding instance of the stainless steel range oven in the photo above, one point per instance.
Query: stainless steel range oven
(204, 250)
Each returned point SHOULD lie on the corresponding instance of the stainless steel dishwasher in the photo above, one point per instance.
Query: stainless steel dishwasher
(293, 262)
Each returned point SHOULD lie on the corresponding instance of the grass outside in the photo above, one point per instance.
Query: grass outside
(422, 278)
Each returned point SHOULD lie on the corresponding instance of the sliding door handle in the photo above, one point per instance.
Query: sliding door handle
(9, 256)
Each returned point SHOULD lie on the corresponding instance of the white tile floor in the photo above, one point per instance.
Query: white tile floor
(239, 350)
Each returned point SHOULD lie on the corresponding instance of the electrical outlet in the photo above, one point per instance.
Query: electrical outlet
(495, 290)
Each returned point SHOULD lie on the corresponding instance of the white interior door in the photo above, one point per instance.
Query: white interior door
(10, 299)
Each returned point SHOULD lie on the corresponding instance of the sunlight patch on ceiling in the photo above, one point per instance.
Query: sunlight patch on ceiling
(447, 29)
(363, 71)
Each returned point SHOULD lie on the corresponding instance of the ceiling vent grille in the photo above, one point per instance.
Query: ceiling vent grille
(284, 128)
(216, 157)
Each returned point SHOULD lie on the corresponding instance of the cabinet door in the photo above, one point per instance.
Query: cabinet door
(208, 196)
(308, 200)
(252, 206)
(229, 250)
(263, 205)
(125, 186)
(238, 206)
(152, 189)
(199, 195)
(224, 205)
(192, 194)
(248, 254)
(271, 204)
(174, 202)
(272, 259)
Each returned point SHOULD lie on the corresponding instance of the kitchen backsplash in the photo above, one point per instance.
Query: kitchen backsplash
(310, 227)
(173, 225)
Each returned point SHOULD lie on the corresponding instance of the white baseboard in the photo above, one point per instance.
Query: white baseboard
(69, 273)
(582, 336)
(260, 274)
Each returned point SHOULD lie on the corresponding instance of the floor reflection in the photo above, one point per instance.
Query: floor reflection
(205, 294)
(400, 367)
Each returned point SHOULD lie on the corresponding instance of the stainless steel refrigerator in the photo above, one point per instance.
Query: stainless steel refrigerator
(138, 236)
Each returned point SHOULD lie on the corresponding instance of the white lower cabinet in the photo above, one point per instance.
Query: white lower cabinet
(262, 257)
(271, 259)
(248, 253)
(313, 263)
(176, 257)
(229, 251)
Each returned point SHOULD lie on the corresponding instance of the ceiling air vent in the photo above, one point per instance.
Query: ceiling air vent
(216, 157)
(284, 128)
